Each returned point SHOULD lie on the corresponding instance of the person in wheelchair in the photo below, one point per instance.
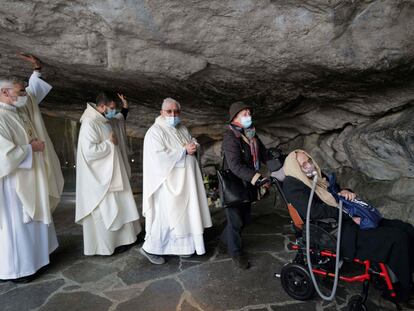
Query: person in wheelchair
(392, 242)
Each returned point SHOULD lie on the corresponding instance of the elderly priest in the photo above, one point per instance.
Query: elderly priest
(27, 234)
(174, 200)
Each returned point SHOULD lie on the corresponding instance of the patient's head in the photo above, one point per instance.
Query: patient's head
(306, 164)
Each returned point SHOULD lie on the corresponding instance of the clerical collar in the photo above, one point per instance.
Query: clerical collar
(7, 107)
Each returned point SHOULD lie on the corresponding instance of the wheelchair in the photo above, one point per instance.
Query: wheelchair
(295, 276)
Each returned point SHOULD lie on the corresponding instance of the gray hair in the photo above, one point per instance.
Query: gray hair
(8, 83)
(170, 100)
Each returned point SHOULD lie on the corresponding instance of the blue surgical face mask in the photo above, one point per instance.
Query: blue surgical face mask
(246, 122)
(173, 121)
(110, 114)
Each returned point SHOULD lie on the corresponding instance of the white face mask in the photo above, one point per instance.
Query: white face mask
(20, 102)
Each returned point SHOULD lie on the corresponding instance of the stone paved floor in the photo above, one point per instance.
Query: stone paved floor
(129, 282)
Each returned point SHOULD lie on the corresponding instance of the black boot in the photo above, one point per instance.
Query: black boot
(241, 262)
(121, 249)
(222, 248)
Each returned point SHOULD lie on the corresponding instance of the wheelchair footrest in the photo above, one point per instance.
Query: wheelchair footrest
(293, 246)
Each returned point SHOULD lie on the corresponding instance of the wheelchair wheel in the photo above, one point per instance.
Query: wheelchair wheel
(297, 282)
(356, 303)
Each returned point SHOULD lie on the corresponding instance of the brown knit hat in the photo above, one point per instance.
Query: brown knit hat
(236, 107)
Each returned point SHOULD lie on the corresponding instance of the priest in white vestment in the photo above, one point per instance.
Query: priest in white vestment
(27, 234)
(117, 119)
(33, 121)
(105, 205)
(174, 199)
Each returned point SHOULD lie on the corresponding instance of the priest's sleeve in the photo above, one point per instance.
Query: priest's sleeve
(92, 147)
(38, 88)
(11, 155)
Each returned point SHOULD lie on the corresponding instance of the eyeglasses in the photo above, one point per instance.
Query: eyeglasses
(170, 111)
(21, 92)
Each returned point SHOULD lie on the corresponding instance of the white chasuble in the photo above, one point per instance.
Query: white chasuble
(105, 205)
(27, 234)
(35, 128)
(119, 127)
(174, 199)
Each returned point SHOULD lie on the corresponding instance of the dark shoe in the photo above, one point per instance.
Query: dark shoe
(24, 280)
(121, 249)
(241, 262)
(154, 259)
(222, 248)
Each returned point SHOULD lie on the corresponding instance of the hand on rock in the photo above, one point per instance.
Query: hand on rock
(124, 100)
(36, 63)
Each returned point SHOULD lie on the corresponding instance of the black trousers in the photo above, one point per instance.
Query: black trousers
(237, 218)
(392, 242)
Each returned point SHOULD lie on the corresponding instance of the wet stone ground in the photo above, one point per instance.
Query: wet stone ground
(128, 281)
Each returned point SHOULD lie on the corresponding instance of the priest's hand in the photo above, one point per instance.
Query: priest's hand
(191, 148)
(124, 100)
(37, 145)
(113, 139)
(37, 65)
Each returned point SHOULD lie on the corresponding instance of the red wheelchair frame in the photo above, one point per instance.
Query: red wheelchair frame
(295, 276)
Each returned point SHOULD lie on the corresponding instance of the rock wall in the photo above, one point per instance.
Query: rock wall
(334, 76)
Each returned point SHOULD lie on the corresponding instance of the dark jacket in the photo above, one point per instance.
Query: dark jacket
(238, 158)
(297, 193)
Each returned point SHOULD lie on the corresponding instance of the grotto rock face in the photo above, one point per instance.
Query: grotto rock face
(334, 77)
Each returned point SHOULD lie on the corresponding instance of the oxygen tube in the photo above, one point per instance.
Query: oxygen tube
(338, 243)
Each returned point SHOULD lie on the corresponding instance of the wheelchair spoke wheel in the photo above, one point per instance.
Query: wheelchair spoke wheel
(356, 303)
(296, 281)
